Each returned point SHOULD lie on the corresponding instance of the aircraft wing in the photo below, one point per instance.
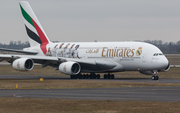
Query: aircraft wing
(19, 51)
(86, 64)
(37, 59)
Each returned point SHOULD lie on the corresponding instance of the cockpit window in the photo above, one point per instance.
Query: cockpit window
(156, 54)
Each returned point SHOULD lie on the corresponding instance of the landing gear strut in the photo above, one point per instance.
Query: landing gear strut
(155, 77)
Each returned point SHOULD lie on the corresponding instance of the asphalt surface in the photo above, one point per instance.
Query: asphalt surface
(168, 94)
(161, 80)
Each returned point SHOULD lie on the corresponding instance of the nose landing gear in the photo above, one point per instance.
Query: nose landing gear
(155, 77)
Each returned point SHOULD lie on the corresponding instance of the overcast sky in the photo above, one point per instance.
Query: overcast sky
(90, 20)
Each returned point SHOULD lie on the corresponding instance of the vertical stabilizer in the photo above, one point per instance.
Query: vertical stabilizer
(36, 34)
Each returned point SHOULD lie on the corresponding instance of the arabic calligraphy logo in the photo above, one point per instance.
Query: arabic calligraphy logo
(18, 65)
(92, 51)
(64, 68)
(139, 51)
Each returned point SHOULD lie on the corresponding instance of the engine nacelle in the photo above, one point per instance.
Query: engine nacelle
(70, 68)
(23, 64)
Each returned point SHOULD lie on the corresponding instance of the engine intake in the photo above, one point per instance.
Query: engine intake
(70, 68)
(23, 64)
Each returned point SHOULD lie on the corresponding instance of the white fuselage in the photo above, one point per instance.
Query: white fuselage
(128, 56)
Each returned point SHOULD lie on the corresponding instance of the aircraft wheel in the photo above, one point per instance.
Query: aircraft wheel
(153, 78)
(112, 76)
(109, 76)
(91, 76)
(88, 76)
(83, 76)
(98, 76)
(80, 76)
(71, 76)
(105, 76)
(157, 78)
(75, 76)
(94, 76)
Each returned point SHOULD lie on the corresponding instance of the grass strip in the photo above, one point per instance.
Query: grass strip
(72, 84)
(28, 105)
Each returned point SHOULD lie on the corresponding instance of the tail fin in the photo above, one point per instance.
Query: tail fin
(36, 34)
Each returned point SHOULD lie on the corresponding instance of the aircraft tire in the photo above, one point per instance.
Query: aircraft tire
(157, 78)
(112, 76)
(91, 76)
(153, 77)
(109, 76)
(74, 76)
(80, 76)
(83, 76)
(94, 76)
(98, 76)
(105, 76)
(88, 76)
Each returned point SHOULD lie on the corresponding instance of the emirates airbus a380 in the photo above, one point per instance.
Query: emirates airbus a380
(75, 58)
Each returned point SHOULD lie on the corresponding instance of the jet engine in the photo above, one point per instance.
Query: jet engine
(70, 68)
(23, 64)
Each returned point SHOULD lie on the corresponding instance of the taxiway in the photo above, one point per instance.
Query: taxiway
(169, 94)
(161, 80)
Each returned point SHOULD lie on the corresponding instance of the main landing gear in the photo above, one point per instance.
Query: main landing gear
(92, 76)
(108, 76)
(155, 77)
(86, 76)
